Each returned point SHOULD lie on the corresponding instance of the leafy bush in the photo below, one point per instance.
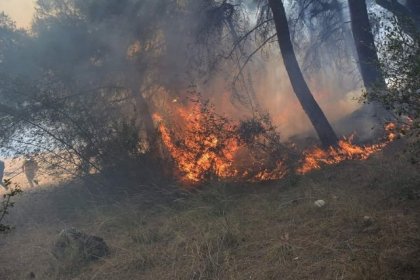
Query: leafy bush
(264, 142)
(7, 203)
(399, 55)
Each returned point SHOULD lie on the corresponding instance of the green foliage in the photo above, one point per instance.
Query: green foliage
(400, 63)
(6, 204)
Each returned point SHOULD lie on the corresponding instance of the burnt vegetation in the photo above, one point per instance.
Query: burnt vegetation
(189, 139)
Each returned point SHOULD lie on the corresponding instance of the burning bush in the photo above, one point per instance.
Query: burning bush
(206, 146)
(271, 159)
(202, 143)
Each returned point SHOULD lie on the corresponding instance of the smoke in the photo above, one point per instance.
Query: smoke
(335, 93)
(157, 49)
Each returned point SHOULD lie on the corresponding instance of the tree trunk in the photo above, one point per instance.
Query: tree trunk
(143, 113)
(368, 60)
(365, 45)
(414, 6)
(323, 128)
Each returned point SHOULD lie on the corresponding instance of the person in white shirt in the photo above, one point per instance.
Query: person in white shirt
(30, 167)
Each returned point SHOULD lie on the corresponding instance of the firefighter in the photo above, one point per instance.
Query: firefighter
(30, 167)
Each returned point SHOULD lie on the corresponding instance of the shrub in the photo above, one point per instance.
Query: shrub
(7, 203)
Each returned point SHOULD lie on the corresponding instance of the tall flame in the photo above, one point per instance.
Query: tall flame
(204, 145)
(201, 151)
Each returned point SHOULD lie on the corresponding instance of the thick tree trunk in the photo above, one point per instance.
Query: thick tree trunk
(365, 45)
(368, 62)
(414, 6)
(323, 128)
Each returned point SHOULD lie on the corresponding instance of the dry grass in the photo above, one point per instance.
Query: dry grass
(235, 232)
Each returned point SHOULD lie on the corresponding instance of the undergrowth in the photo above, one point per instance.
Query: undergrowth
(368, 229)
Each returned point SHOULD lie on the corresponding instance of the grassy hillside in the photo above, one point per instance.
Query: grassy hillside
(368, 229)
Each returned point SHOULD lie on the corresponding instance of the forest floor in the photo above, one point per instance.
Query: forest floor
(368, 229)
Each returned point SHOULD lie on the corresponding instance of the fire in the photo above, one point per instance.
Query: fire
(275, 174)
(346, 150)
(391, 131)
(204, 145)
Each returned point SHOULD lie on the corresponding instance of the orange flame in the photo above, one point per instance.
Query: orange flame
(270, 175)
(200, 152)
(390, 128)
(346, 150)
(206, 145)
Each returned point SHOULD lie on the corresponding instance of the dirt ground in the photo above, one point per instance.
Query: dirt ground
(368, 229)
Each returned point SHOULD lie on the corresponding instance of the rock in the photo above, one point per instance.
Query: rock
(319, 203)
(369, 225)
(75, 247)
(368, 221)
